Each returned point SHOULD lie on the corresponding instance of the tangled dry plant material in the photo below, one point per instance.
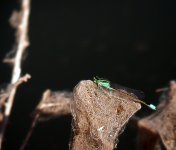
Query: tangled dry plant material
(159, 129)
(54, 104)
(19, 21)
(99, 116)
(5, 94)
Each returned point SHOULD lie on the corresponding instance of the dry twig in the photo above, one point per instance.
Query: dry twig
(52, 104)
(8, 102)
(20, 21)
(21, 44)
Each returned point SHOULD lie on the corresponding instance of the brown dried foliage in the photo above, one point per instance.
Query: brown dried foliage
(99, 116)
(160, 127)
(54, 104)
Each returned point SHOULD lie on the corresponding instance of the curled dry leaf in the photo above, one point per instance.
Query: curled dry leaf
(54, 104)
(159, 129)
(99, 116)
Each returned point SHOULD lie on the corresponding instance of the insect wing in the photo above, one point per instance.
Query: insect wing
(135, 93)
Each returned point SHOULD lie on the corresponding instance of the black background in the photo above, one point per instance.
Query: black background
(128, 42)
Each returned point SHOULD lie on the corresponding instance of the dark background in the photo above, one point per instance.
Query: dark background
(128, 42)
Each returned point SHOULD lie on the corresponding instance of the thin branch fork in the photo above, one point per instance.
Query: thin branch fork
(21, 44)
(23, 40)
(20, 21)
(9, 104)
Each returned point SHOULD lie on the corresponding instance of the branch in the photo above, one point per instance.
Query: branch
(52, 105)
(10, 95)
(19, 20)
